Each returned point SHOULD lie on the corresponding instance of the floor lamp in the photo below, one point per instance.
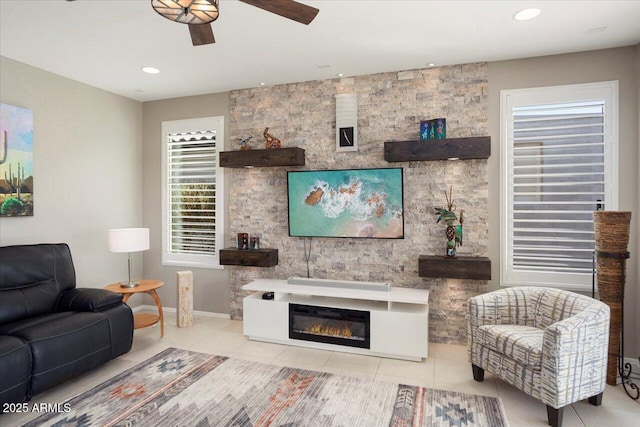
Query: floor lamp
(128, 240)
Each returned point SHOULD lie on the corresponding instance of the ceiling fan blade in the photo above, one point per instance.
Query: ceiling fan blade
(287, 8)
(201, 34)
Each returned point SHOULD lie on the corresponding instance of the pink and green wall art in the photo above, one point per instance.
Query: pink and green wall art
(16, 161)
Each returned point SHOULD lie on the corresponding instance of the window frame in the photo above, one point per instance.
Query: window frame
(606, 91)
(194, 260)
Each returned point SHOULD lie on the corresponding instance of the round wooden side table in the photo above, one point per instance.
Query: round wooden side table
(142, 320)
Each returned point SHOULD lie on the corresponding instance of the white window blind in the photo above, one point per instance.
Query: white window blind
(557, 170)
(193, 193)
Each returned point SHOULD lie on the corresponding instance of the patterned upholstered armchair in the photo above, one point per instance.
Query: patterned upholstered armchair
(549, 343)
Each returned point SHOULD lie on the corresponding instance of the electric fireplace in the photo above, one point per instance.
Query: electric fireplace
(329, 325)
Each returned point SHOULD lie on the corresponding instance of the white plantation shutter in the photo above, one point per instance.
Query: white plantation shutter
(193, 192)
(557, 170)
(191, 163)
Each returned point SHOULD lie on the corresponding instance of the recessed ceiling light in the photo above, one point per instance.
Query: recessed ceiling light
(431, 64)
(262, 83)
(150, 70)
(340, 74)
(526, 14)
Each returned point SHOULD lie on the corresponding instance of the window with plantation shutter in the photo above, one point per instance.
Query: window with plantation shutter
(192, 192)
(558, 151)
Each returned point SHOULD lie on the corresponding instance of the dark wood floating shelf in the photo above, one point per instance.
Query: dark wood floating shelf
(478, 147)
(477, 268)
(265, 257)
(289, 156)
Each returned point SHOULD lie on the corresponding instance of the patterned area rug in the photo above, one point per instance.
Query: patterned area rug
(183, 388)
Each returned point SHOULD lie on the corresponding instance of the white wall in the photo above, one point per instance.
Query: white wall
(87, 169)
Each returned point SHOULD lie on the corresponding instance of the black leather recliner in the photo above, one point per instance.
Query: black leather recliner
(51, 331)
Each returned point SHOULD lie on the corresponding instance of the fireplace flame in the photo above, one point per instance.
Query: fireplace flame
(334, 331)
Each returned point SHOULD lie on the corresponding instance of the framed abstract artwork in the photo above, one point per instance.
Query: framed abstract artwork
(433, 129)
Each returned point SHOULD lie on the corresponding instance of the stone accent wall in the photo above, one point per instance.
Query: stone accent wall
(390, 107)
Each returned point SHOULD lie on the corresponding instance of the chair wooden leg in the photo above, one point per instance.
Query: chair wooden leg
(596, 400)
(554, 416)
(478, 373)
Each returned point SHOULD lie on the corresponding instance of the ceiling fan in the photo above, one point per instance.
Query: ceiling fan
(199, 14)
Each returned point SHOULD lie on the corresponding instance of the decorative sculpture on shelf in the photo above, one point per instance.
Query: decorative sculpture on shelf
(453, 231)
(270, 140)
(243, 142)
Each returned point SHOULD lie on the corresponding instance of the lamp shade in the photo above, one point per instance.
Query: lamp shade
(128, 239)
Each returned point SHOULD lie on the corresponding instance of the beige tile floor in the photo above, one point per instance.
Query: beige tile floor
(446, 368)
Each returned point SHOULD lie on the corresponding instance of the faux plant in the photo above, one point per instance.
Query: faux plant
(453, 232)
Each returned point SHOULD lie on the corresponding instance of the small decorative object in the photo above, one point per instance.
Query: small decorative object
(184, 312)
(268, 295)
(254, 243)
(433, 129)
(243, 241)
(346, 137)
(270, 140)
(453, 231)
(243, 142)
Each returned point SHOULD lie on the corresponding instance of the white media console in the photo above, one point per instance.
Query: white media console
(399, 317)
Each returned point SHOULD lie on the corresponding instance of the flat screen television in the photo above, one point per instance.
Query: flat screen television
(359, 203)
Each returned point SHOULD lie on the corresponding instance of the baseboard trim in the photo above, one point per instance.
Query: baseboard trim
(173, 310)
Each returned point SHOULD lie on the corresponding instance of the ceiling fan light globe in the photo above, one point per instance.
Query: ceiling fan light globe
(188, 11)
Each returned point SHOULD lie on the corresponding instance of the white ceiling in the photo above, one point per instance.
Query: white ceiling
(104, 43)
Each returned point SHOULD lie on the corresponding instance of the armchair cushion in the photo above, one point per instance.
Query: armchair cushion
(82, 299)
(521, 343)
